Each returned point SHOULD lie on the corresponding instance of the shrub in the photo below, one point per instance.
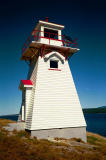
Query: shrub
(21, 133)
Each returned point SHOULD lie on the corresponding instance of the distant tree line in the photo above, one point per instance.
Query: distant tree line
(95, 110)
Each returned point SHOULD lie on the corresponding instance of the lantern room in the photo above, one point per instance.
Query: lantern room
(47, 36)
(48, 33)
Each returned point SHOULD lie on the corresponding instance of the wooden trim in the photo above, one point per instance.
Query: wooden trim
(54, 69)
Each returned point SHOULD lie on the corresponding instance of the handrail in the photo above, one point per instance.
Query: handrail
(35, 35)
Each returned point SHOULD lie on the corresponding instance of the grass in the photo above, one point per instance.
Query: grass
(98, 141)
(21, 133)
(20, 146)
(5, 122)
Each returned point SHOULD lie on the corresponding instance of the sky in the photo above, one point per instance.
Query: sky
(85, 20)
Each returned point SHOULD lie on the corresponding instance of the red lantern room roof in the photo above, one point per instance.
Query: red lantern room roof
(26, 82)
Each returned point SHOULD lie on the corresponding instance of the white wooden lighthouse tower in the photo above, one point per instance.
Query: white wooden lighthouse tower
(50, 104)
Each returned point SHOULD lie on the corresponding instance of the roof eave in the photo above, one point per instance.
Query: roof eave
(51, 24)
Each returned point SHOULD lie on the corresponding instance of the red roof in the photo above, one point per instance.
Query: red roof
(27, 82)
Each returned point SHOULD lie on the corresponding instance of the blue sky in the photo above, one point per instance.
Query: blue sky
(85, 20)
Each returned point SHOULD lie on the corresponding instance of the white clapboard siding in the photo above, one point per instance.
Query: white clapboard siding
(27, 100)
(32, 75)
(33, 72)
(56, 103)
(30, 109)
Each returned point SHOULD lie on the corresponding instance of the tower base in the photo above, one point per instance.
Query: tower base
(75, 132)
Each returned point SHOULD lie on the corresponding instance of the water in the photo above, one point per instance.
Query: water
(96, 123)
(10, 117)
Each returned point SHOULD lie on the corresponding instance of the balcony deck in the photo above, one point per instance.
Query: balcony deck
(36, 43)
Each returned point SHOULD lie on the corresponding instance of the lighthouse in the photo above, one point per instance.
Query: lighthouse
(50, 104)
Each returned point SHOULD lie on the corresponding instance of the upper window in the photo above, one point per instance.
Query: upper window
(53, 64)
(49, 33)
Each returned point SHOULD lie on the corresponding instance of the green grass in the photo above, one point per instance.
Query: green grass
(92, 140)
(98, 141)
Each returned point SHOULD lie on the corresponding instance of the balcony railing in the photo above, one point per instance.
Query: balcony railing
(37, 36)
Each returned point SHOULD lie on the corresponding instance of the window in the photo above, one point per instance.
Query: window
(50, 33)
(53, 64)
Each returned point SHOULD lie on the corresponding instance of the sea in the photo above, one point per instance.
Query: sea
(96, 122)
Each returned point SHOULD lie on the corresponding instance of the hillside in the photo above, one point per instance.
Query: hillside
(95, 110)
(19, 145)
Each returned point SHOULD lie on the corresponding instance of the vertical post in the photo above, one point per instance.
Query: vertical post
(46, 19)
(41, 36)
(59, 35)
(63, 41)
(23, 112)
(42, 51)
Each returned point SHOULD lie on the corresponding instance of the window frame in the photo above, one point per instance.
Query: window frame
(50, 35)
